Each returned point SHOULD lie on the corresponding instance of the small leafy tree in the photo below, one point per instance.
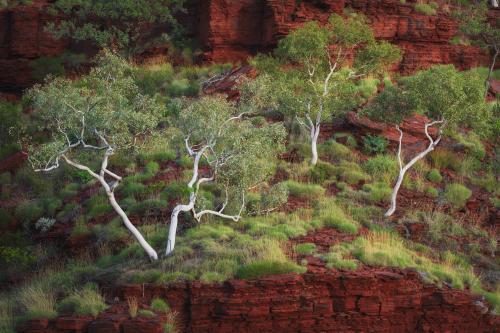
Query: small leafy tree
(445, 96)
(88, 121)
(313, 80)
(130, 26)
(238, 154)
(474, 22)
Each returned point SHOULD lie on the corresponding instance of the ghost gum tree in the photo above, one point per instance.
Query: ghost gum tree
(312, 76)
(237, 153)
(89, 120)
(448, 98)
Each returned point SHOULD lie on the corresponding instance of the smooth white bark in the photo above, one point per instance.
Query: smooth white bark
(112, 200)
(194, 185)
(404, 168)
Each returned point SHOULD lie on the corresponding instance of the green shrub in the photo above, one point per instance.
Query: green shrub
(159, 305)
(213, 277)
(69, 191)
(457, 195)
(354, 177)
(322, 172)
(444, 159)
(374, 144)
(86, 302)
(341, 223)
(382, 168)
(432, 192)
(5, 178)
(37, 302)
(351, 142)
(80, 229)
(425, 9)
(111, 232)
(146, 313)
(148, 276)
(305, 248)
(377, 192)
(44, 66)
(148, 207)
(335, 260)
(133, 189)
(267, 267)
(334, 150)
(434, 176)
(368, 87)
(29, 211)
(306, 191)
(176, 191)
(99, 210)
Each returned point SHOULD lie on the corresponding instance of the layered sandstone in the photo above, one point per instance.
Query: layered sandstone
(231, 31)
(369, 300)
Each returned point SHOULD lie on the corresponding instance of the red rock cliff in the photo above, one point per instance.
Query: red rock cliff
(233, 30)
(359, 301)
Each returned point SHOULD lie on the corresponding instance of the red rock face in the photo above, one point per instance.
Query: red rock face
(237, 29)
(23, 39)
(231, 31)
(372, 300)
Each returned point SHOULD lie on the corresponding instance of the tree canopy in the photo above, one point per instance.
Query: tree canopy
(126, 25)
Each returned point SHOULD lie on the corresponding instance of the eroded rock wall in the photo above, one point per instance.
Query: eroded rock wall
(359, 301)
(231, 31)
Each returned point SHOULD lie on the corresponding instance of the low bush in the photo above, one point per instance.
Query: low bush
(354, 177)
(374, 144)
(86, 302)
(146, 313)
(335, 260)
(69, 191)
(322, 172)
(377, 192)
(159, 305)
(305, 248)
(432, 192)
(306, 191)
(334, 150)
(37, 302)
(29, 211)
(382, 168)
(267, 267)
(425, 9)
(444, 159)
(434, 176)
(457, 195)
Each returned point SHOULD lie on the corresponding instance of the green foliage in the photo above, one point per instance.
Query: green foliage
(108, 99)
(434, 176)
(368, 87)
(374, 144)
(263, 268)
(425, 8)
(10, 120)
(125, 25)
(382, 168)
(305, 248)
(146, 313)
(37, 301)
(46, 66)
(306, 191)
(334, 150)
(336, 258)
(377, 192)
(432, 192)
(440, 92)
(159, 305)
(29, 211)
(86, 302)
(457, 195)
(443, 159)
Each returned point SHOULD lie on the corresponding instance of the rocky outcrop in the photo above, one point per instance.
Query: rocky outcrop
(23, 39)
(370, 300)
(231, 31)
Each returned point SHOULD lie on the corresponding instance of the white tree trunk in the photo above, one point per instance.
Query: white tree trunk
(112, 200)
(145, 245)
(172, 231)
(403, 169)
(314, 144)
(494, 3)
